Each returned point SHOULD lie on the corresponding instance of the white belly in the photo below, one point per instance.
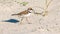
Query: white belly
(28, 14)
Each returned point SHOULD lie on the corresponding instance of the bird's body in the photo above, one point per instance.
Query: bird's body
(24, 13)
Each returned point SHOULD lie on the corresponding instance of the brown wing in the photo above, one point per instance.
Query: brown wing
(23, 12)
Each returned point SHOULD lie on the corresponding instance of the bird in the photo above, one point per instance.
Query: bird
(24, 13)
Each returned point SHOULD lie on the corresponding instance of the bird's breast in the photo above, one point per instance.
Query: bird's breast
(28, 14)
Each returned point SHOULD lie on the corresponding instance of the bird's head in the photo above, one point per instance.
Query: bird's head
(30, 9)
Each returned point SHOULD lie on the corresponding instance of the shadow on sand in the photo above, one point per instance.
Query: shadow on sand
(11, 21)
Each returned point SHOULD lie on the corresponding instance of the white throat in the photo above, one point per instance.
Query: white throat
(30, 11)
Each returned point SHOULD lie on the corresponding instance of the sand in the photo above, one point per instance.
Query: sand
(49, 24)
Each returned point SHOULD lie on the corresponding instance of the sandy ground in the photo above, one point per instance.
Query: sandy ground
(50, 24)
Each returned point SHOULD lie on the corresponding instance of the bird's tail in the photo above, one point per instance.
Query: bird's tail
(14, 14)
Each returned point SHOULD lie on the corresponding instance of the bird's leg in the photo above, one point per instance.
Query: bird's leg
(21, 20)
(27, 20)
